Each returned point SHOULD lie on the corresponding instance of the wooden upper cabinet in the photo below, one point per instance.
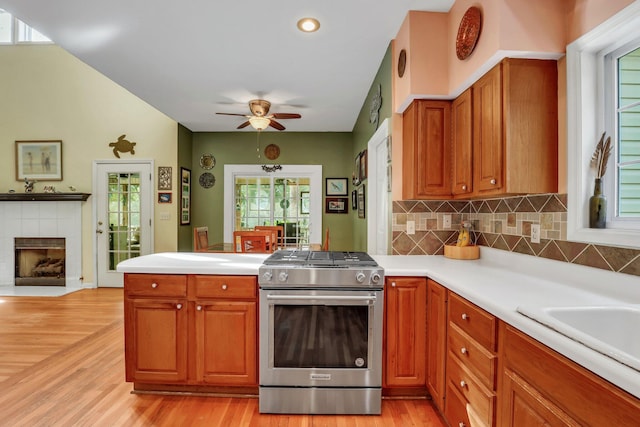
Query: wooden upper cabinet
(426, 150)
(515, 128)
(462, 144)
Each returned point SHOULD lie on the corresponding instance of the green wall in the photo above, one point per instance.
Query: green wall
(185, 148)
(363, 130)
(332, 150)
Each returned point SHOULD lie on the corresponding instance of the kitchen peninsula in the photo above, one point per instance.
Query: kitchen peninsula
(495, 286)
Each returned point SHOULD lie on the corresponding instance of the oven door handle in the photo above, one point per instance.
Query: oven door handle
(322, 297)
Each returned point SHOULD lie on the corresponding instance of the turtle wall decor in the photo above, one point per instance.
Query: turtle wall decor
(122, 145)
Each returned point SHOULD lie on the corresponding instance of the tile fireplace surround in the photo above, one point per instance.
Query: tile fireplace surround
(41, 218)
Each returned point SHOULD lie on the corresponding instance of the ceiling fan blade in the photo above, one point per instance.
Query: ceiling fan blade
(275, 125)
(243, 125)
(233, 114)
(286, 115)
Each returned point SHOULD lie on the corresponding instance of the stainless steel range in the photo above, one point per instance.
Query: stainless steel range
(320, 333)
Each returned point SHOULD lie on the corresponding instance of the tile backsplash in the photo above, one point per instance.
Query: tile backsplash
(504, 223)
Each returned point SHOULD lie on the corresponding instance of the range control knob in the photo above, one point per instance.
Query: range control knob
(375, 278)
(267, 276)
(283, 276)
(360, 277)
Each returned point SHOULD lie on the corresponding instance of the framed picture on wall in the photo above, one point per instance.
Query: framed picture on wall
(363, 166)
(361, 206)
(39, 160)
(164, 178)
(185, 196)
(164, 197)
(336, 205)
(336, 186)
(354, 199)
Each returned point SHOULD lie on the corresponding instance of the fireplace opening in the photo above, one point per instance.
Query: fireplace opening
(40, 261)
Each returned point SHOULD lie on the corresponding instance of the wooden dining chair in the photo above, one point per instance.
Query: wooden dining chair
(200, 239)
(277, 237)
(253, 241)
(325, 245)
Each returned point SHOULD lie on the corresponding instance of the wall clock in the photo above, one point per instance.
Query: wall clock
(468, 32)
(402, 62)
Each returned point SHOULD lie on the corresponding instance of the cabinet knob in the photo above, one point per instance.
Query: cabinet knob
(464, 187)
(393, 284)
(178, 306)
(464, 316)
(464, 350)
(154, 285)
(493, 181)
(199, 308)
(224, 287)
(463, 384)
(461, 424)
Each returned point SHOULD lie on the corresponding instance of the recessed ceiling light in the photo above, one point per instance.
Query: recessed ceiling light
(308, 25)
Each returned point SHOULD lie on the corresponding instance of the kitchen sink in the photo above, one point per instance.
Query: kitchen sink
(608, 329)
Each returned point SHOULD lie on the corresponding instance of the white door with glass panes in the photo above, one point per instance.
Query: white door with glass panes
(291, 197)
(123, 198)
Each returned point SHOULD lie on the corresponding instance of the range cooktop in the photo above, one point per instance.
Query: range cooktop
(320, 259)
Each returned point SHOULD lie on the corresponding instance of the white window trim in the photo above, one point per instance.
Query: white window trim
(313, 172)
(586, 122)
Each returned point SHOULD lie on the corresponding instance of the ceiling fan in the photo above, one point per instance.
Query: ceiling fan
(260, 117)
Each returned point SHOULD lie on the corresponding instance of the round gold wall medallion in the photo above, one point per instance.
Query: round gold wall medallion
(468, 32)
(402, 62)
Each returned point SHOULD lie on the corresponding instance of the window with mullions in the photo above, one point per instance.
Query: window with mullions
(14, 31)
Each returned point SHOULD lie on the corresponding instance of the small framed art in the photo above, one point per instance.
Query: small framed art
(185, 196)
(336, 186)
(164, 178)
(361, 201)
(39, 160)
(336, 205)
(164, 197)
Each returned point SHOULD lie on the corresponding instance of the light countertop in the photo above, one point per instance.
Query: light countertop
(498, 282)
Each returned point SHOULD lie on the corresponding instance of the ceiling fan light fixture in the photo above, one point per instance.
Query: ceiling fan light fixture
(259, 123)
(308, 25)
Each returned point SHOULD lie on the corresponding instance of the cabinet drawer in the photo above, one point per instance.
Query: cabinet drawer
(225, 286)
(455, 408)
(477, 323)
(476, 358)
(481, 399)
(161, 285)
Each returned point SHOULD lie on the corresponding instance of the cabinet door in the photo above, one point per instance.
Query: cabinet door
(226, 342)
(488, 143)
(436, 341)
(156, 340)
(523, 406)
(427, 150)
(406, 331)
(462, 142)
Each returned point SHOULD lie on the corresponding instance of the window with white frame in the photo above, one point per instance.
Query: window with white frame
(603, 95)
(14, 31)
(291, 197)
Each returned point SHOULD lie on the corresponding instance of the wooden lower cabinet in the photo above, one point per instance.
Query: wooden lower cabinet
(190, 330)
(405, 333)
(540, 387)
(436, 341)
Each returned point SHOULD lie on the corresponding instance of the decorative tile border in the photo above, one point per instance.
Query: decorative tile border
(504, 223)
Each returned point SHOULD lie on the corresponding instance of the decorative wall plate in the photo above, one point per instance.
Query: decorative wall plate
(468, 32)
(272, 151)
(207, 161)
(402, 62)
(207, 180)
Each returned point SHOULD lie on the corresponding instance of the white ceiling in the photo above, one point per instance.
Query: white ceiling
(192, 58)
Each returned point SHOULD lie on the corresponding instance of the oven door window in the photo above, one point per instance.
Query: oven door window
(321, 336)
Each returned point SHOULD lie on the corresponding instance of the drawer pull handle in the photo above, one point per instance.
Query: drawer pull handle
(493, 181)
(461, 424)
(393, 284)
(178, 306)
(464, 188)
(465, 316)
(463, 384)
(199, 308)
(224, 287)
(464, 350)
(154, 285)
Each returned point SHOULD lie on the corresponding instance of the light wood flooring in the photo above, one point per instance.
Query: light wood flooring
(62, 364)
